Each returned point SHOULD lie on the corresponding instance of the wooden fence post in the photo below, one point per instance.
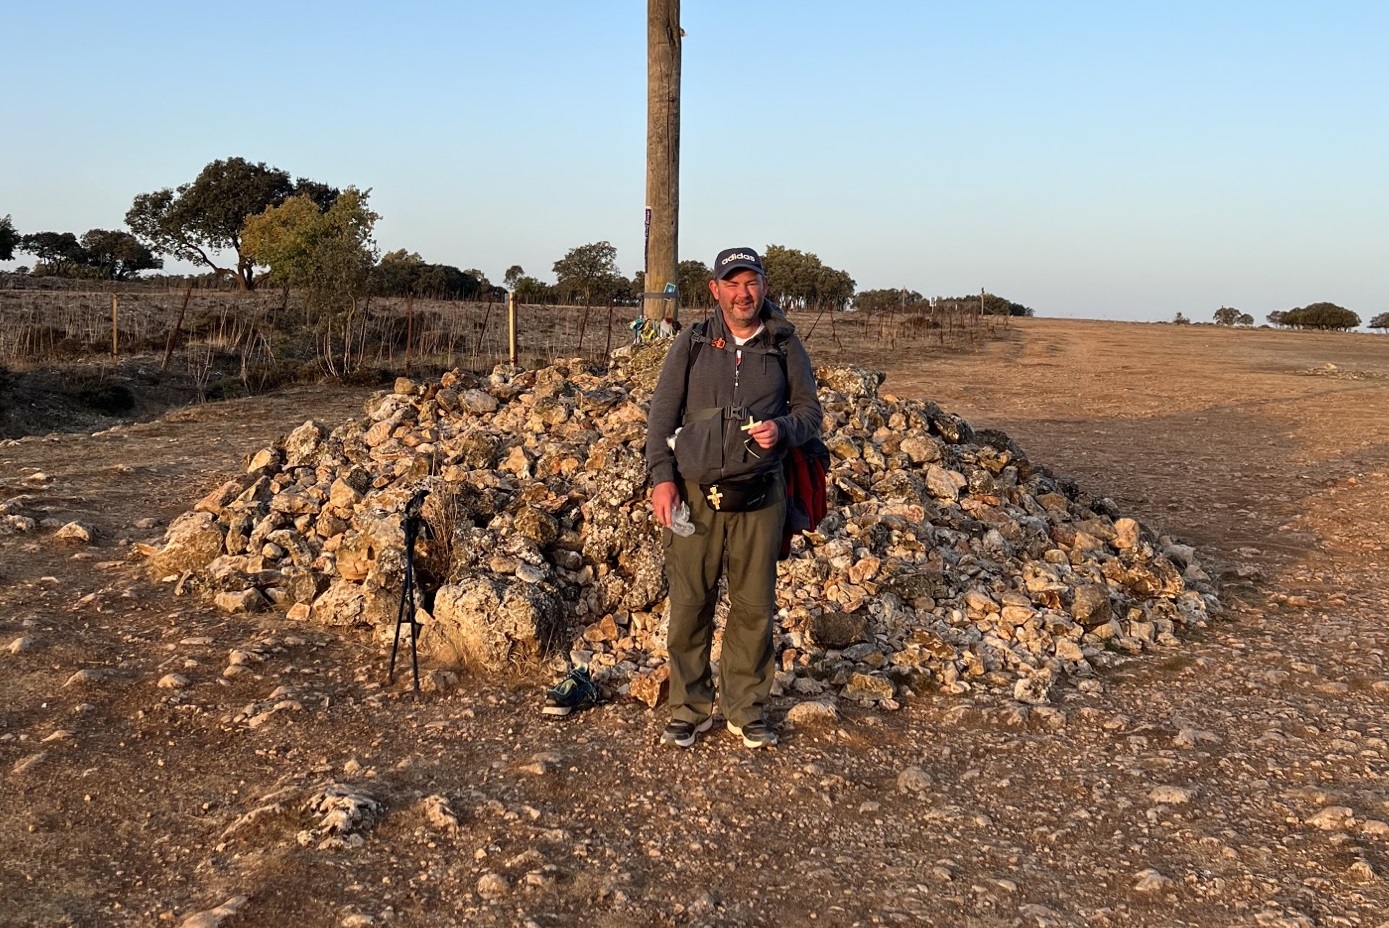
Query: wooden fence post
(115, 346)
(178, 329)
(608, 348)
(409, 329)
(511, 326)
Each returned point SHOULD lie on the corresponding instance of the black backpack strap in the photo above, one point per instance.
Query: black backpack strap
(699, 334)
(781, 355)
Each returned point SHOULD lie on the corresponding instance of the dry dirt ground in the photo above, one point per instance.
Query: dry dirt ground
(1239, 779)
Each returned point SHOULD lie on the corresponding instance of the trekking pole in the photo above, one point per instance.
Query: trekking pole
(410, 524)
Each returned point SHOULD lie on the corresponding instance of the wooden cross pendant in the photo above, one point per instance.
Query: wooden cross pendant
(715, 497)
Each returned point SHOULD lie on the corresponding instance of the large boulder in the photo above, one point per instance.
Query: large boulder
(192, 541)
(490, 624)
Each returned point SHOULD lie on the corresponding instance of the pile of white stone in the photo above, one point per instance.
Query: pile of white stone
(948, 560)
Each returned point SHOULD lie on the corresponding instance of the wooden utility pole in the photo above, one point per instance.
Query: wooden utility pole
(663, 38)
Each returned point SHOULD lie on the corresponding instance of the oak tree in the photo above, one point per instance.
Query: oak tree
(59, 254)
(116, 255)
(530, 290)
(797, 279)
(9, 239)
(1321, 316)
(328, 255)
(197, 220)
(694, 284)
(1227, 315)
(588, 271)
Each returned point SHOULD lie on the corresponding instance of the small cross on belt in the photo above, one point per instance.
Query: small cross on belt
(715, 497)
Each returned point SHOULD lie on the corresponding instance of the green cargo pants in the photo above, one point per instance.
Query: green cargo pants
(750, 540)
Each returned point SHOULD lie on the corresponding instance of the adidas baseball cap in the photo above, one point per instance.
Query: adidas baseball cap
(737, 259)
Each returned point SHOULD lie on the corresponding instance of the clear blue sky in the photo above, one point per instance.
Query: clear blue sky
(1102, 160)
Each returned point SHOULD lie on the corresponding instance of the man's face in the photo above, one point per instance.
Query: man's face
(740, 297)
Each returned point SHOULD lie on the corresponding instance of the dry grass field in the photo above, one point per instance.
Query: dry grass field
(217, 344)
(1238, 779)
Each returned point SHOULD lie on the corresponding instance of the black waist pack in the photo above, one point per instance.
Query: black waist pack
(742, 495)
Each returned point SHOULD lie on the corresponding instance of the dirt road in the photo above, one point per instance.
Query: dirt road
(1238, 779)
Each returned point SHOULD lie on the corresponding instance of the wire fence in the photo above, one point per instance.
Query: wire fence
(189, 328)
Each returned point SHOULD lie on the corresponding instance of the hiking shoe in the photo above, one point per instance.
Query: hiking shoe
(576, 691)
(682, 734)
(755, 734)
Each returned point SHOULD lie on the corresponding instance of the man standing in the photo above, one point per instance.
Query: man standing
(735, 393)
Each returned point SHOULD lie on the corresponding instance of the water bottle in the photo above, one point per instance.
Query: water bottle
(680, 522)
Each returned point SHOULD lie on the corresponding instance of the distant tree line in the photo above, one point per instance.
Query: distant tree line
(1314, 316)
(405, 273)
(278, 229)
(905, 300)
(887, 300)
(100, 254)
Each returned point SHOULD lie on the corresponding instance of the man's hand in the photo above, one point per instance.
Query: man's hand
(664, 498)
(765, 434)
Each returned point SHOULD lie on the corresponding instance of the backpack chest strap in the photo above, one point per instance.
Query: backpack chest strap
(711, 412)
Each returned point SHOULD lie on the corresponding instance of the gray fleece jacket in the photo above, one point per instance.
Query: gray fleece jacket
(720, 394)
